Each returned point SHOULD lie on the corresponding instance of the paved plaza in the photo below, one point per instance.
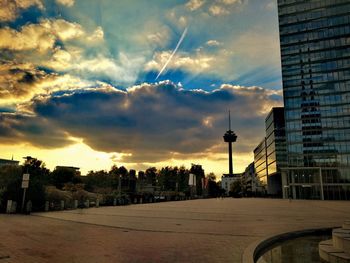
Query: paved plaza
(208, 230)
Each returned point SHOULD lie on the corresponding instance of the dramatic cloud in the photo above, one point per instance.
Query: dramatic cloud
(224, 7)
(123, 70)
(195, 63)
(213, 42)
(66, 2)
(15, 128)
(194, 4)
(43, 36)
(18, 81)
(148, 123)
(9, 9)
(218, 10)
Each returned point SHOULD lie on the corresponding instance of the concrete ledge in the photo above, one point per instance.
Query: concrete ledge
(327, 251)
(252, 253)
(346, 224)
(333, 255)
(341, 239)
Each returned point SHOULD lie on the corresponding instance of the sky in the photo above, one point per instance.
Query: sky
(93, 84)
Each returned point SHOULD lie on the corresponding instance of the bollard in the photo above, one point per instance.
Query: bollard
(47, 206)
(9, 206)
(87, 203)
(114, 201)
(29, 207)
(75, 204)
(62, 205)
(140, 200)
(97, 202)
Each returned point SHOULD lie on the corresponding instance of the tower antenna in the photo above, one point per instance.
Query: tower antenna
(229, 119)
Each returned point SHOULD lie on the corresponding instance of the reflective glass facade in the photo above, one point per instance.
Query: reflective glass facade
(260, 163)
(270, 154)
(275, 149)
(315, 55)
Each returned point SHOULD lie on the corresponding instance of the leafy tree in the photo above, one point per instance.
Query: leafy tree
(10, 184)
(236, 188)
(167, 178)
(123, 171)
(214, 188)
(151, 175)
(98, 179)
(114, 176)
(62, 175)
(183, 175)
(39, 178)
(211, 177)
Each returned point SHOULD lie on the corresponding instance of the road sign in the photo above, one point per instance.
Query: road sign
(25, 184)
(25, 177)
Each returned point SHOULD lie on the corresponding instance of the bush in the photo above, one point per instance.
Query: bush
(55, 195)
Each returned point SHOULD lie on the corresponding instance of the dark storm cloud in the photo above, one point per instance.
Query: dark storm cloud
(16, 128)
(153, 122)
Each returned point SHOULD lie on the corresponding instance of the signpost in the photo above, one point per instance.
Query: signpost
(25, 185)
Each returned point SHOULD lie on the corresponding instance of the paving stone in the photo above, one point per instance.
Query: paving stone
(206, 230)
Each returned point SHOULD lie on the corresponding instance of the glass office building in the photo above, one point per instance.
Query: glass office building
(315, 55)
(275, 150)
(260, 164)
(270, 154)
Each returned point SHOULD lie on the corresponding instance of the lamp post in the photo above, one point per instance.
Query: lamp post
(25, 183)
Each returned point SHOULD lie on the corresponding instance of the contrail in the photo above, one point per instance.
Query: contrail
(172, 54)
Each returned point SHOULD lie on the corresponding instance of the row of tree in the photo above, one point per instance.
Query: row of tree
(116, 180)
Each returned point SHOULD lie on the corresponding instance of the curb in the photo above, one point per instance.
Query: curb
(252, 253)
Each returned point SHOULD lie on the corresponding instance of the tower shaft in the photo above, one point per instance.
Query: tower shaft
(230, 157)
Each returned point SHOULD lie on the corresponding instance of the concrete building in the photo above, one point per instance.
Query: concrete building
(227, 180)
(315, 51)
(250, 181)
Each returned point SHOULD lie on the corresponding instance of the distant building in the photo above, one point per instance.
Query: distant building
(314, 42)
(260, 164)
(68, 167)
(227, 180)
(250, 181)
(270, 154)
(275, 150)
(8, 162)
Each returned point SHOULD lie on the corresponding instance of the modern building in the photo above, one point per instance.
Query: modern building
(275, 150)
(8, 162)
(315, 56)
(270, 154)
(260, 164)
